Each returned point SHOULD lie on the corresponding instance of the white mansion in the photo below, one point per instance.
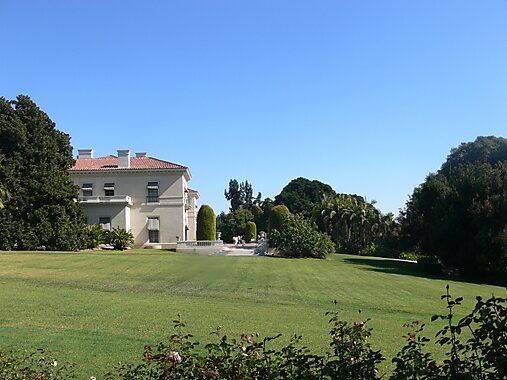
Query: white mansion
(141, 194)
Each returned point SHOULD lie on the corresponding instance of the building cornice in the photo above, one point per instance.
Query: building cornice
(131, 171)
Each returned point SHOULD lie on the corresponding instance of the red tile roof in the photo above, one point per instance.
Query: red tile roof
(111, 162)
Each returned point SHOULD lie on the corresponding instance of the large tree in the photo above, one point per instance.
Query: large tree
(42, 209)
(301, 195)
(240, 194)
(233, 223)
(460, 212)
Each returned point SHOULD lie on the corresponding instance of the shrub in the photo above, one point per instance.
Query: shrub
(38, 365)
(298, 237)
(206, 223)
(429, 265)
(93, 236)
(277, 216)
(233, 223)
(350, 357)
(413, 256)
(483, 355)
(250, 232)
(119, 238)
(379, 251)
(480, 353)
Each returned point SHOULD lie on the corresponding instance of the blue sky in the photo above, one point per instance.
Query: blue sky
(367, 96)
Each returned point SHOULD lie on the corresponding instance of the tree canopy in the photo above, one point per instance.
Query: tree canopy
(240, 194)
(42, 208)
(233, 223)
(460, 212)
(301, 195)
(244, 208)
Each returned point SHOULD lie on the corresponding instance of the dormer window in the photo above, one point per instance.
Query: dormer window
(109, 189)
(152, 195)
(87, 189)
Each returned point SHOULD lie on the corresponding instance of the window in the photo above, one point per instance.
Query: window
(153, 228)
(105, 223)
(152, 192)
(153, 237)
(109, 189)
(87, 189)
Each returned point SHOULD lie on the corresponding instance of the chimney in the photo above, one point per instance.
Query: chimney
(141, 154)
(124, 158)
(85, 153)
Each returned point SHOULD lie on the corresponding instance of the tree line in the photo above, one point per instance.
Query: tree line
(458, 214)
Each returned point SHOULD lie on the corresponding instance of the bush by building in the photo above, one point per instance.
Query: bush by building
(298, 237)
(119, 238)
(206, 223)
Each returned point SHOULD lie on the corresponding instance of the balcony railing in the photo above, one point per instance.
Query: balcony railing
(152, 199)
(101, 199)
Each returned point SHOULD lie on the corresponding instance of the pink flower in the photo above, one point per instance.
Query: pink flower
(174, 356)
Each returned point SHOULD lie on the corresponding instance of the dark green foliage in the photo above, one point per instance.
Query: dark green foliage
(250, 232)
(241, 195)
(234, 195)
(302, 195)
(4, 195)
(119, 238)
(480, 353)
(93, 236)
(41, 210)
(379, 251)
(460, 213)
(485, 149)
(277, 216)
(244, 208)
(411, 362)
(429, 265)
(233, 223)
(297, 237)
(206, 223)
(261, 217)
(355, 224)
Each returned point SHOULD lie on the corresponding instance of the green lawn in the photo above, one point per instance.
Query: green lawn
(96, 309)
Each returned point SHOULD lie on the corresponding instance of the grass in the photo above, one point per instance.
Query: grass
(97, 309)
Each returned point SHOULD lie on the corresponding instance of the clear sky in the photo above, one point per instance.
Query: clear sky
(367, 96)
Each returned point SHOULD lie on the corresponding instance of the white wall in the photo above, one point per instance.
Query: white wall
(170, 209)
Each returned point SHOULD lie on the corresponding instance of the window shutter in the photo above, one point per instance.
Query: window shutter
(105, 226)
(153, 224)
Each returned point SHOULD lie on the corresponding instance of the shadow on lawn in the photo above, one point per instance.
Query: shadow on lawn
(411, 269)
